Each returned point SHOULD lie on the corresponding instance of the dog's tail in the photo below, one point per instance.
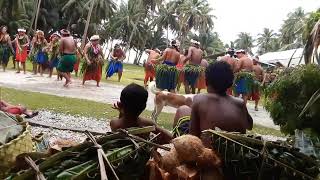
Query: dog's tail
(153, 88)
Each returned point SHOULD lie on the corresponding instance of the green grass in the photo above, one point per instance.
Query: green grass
(88, 108)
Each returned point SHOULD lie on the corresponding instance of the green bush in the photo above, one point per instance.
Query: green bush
(287, 96)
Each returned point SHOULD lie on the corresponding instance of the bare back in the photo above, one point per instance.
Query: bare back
(195, 55)
(258, 72)
(225, 112)
(152, 55)
(67, 45)
(245, 64)
(171, 55)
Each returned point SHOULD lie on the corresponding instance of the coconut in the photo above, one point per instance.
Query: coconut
(209, 158)
(188, 148)
(170, 161)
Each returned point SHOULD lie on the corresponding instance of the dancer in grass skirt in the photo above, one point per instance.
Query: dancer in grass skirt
(167, 73)
(244, 76)
(5, 47)
(201, 84)
(192, 70)
(53, 50)
(38, 48)
(149, 66)
(92, 67)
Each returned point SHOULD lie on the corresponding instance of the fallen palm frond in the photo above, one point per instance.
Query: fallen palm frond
(250, 158)
(311, 101)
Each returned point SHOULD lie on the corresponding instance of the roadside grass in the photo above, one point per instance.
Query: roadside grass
(87, 108)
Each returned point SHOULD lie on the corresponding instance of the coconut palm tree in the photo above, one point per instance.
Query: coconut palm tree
(245, 42)
(209, 41)
(292, 29)
(194, 14)
(267, 41)
(129, 21)
(166, 18)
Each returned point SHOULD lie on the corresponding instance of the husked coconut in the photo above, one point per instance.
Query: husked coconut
(170, 161)
(188, 148)
(209, 158)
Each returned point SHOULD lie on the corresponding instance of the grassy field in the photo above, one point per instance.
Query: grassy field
(88, 108)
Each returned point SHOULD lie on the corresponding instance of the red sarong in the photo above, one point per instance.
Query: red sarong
(255, 96)
(21, 56)
(150, 72)
(202, 82)
(95, 74)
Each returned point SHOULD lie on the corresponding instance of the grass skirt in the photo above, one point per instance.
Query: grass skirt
(192, 73)
(166, 77)
(244, 83)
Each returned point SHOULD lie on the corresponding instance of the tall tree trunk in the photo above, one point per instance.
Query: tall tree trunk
(87, 25)
(69, 23)
(110, 49)
(33, 17)
(140, 55)
(37, 16)
(136, 58)
(168, 35)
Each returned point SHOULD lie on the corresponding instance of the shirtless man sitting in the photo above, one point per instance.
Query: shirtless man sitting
(68, 56)
(243, 85)
(133, 101)
(215, 109)
(258, 79)
(194, 57)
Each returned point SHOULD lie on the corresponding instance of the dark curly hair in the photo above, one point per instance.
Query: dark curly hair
(219, 76)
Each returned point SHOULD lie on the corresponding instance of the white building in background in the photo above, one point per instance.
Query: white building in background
(283, 57)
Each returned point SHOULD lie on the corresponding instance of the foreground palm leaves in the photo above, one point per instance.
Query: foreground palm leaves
(127, 157)
(250, 158)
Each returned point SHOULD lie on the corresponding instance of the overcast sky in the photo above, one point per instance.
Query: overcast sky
(235, 16)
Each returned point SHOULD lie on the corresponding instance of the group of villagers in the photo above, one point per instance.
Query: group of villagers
(58, 51)
(174, 67)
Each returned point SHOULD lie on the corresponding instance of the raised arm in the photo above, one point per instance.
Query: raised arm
(188, 56)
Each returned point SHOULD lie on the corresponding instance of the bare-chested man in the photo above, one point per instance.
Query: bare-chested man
(215, 109)
(180, 67)
(68, 56)
(166, 73)
(244, 80)
(229, 58)
(193, 69)
(258, 78)
(149, 65)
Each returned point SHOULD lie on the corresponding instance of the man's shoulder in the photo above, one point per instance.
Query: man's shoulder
(236, 101)
(145, 122)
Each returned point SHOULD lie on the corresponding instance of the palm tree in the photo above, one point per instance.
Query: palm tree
(129, 21)
(166, 18)
(292, 29)
(245, 42)
(209, 41)
(267, 41)
(194, 14)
